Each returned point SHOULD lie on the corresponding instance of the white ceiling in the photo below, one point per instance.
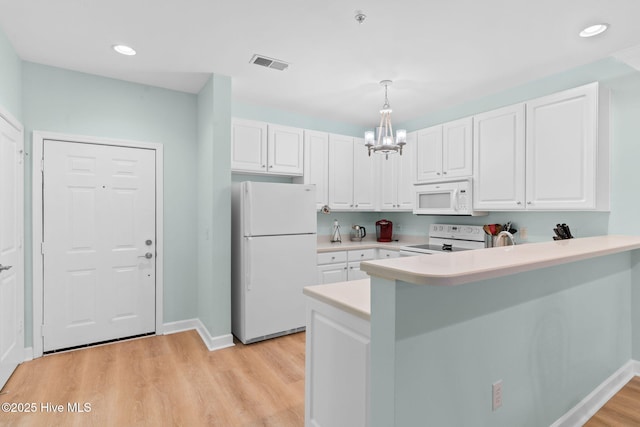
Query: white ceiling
(438, 52)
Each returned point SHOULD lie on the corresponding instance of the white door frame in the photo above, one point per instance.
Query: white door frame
(15, 123)
(37, 217)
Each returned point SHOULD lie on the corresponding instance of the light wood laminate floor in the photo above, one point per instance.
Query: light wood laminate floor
(622, 410)
(173, 380)
(170, 380)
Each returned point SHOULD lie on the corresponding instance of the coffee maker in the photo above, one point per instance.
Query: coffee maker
(384, 230)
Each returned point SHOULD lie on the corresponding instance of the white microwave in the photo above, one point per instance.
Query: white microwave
(445, 198)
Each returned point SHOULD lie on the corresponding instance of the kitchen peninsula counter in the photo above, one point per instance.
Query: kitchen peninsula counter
(551, 321)
(471, 266)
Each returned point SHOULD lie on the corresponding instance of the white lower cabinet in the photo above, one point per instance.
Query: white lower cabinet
(387, 254)
(338, 367)
(341, 266)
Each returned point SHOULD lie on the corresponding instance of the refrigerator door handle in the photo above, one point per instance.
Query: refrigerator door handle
(247, 259)
(246, 208)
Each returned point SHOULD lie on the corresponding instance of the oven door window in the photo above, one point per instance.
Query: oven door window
(434, 200)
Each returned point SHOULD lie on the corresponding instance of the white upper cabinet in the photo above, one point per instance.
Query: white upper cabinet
(316, 165)
(564, 161)
(457, 148)
(364, 177)
(285, 150)
(340, 172)
(445, 151)
(351, 174)
(499, 159)
(556, 159)
(248, 146)
(397, 175)
(258, 147)
(429, 153)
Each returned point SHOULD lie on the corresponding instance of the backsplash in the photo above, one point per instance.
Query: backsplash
(539, 225)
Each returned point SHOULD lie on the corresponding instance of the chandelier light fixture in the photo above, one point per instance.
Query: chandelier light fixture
(384, 142)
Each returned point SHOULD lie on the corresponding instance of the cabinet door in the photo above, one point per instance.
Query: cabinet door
(248, 146)
(355, 273)
(429, 153)
(332, 273)
(364, 175)
(340, 172)
(499, 153)
(387, 254)
(457, 148)
(561, 150)
(407, 174)
(285, 150)
(316, 164)
(388, 181)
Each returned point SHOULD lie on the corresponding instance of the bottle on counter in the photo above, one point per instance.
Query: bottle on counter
(335, 236)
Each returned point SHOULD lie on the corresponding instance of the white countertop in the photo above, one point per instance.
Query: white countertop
(470, 266)
(325, 245)
(353, 297)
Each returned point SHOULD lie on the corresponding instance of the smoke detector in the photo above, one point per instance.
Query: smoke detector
(265, 61)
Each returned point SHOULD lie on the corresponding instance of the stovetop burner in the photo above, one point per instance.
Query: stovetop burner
(449, 238)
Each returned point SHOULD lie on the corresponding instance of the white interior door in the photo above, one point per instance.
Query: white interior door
(11, 252)
(99, 243)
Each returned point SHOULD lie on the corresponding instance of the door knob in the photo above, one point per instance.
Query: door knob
(148, 255)
(3, 268)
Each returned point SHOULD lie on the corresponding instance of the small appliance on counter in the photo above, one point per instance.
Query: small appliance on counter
(384, 230)
(358, 232)
(335, 235)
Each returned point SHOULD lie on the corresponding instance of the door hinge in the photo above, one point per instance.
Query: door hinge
(42, 328)
(41, 248)
(42, 165)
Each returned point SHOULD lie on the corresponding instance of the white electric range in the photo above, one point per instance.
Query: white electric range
(448, 238)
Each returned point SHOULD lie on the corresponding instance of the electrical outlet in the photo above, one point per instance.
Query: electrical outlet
(524, 233)
(496, 393)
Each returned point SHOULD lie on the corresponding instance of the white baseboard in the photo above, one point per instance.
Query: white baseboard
(584, 410)
(28, 354)
(212, 343)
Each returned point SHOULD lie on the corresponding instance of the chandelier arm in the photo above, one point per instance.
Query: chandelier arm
(381, 128)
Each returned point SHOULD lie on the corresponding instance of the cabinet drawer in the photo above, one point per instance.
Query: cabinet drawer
(361, 255)
(387, 254)
(332, 257)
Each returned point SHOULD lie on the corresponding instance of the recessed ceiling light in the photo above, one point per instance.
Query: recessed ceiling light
(594, 30)
(124, 49)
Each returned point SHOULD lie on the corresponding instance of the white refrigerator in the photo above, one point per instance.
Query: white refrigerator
(273, 257)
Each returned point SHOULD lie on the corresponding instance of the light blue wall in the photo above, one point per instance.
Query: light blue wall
(624, 85)
(288, 118)
(551, 335)
(10, 78)
(214, 205)
(69, 102)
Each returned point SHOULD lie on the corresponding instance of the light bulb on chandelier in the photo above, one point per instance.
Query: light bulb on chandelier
(384, 142)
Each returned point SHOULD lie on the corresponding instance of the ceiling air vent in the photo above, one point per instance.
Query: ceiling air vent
(269, 62)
